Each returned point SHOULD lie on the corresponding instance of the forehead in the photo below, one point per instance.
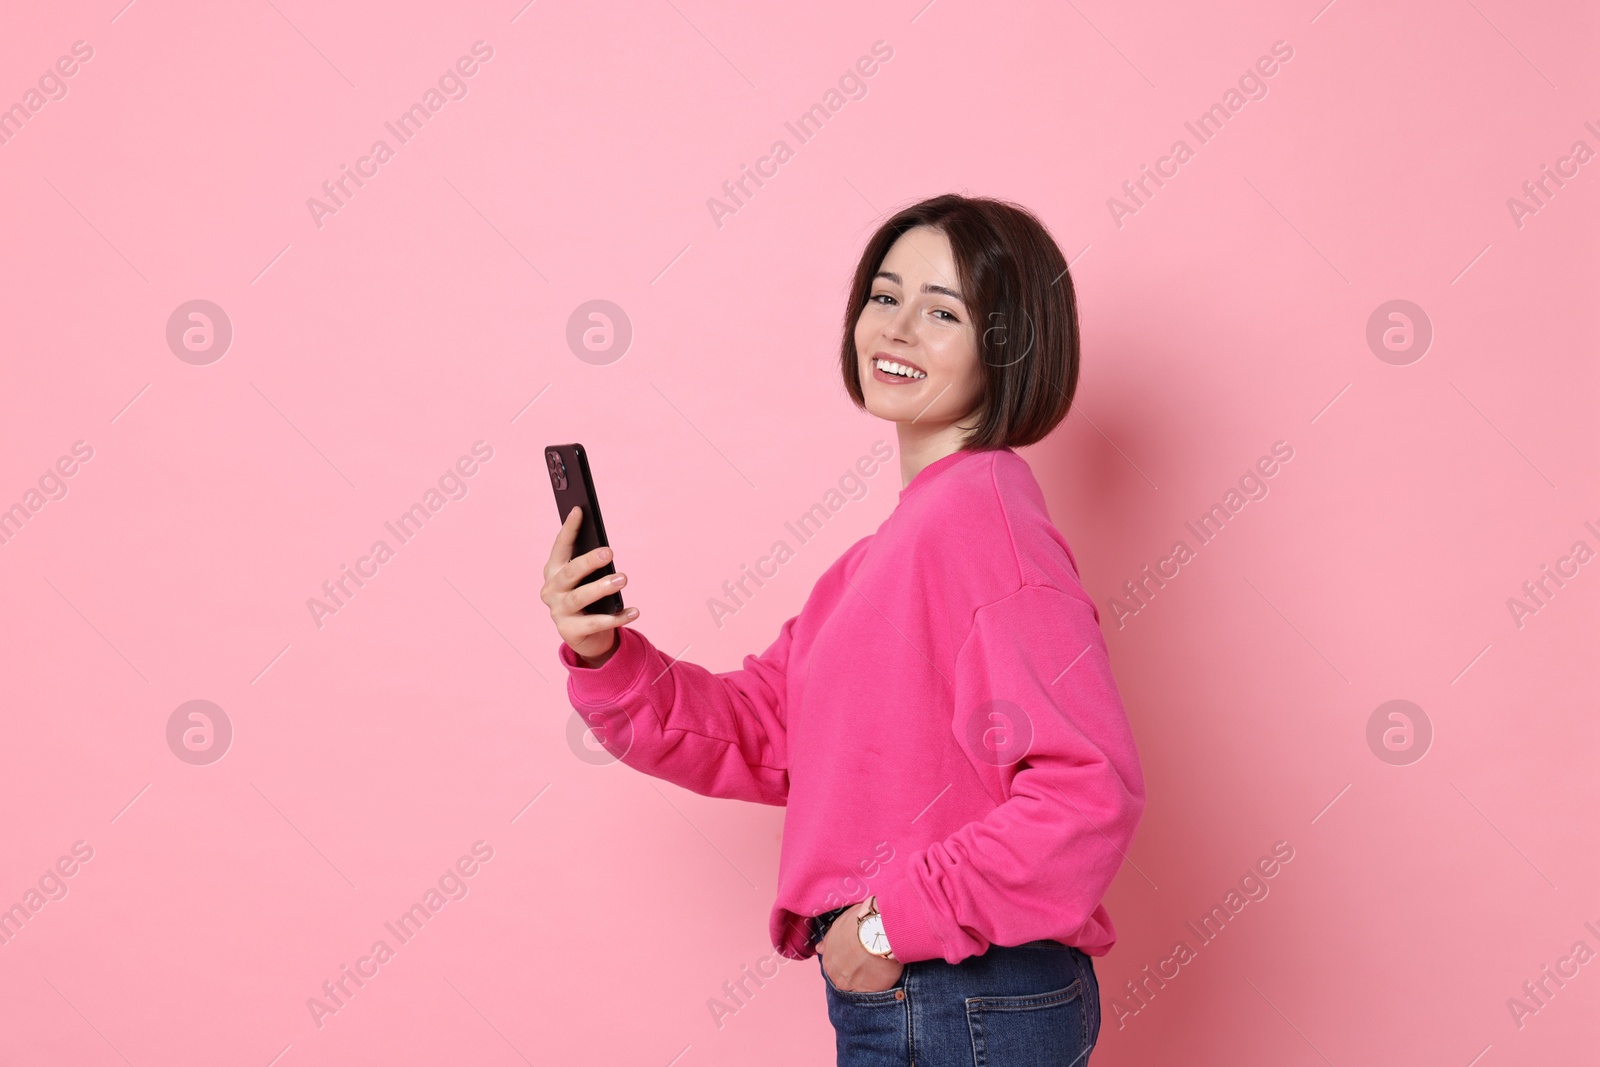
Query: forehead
(921, 254)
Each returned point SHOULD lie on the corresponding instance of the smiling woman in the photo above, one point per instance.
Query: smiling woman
(979, 291)
(945, 692)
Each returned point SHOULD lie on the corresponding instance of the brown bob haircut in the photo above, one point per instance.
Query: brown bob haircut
(1021, 300)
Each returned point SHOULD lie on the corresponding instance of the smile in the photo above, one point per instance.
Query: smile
(889, 370)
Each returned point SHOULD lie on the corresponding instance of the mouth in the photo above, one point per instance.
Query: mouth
(896, 371)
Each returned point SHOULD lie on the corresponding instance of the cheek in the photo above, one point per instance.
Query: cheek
(972, 386)
(961, 355)
(863, 334)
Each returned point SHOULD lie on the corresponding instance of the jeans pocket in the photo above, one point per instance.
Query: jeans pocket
(893, 994)
(1034, 1028)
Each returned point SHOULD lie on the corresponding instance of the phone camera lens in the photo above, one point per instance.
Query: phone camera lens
(558, 469)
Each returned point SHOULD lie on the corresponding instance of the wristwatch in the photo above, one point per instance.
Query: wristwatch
(869, 928)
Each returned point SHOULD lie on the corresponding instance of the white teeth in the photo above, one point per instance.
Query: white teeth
(896, 368)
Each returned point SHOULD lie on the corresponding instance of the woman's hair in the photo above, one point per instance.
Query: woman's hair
(1017, 289)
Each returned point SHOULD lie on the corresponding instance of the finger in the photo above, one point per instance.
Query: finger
(562, 549)
(576, 570)
(581, 597)
(562, 582)
(586, 625)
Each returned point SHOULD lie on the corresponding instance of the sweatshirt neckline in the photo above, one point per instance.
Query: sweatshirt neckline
(943, 463)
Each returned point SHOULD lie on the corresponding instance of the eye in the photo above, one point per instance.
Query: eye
(942, 311)
(880, 296)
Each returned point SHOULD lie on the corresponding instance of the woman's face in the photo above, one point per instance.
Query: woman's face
(915, 316)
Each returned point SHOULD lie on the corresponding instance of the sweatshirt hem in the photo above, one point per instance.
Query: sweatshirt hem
(905, 922)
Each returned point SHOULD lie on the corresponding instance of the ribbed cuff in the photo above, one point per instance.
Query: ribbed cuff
(604, 684)
(905, 922)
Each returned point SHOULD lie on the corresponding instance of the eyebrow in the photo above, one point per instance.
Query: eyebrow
(926, 287)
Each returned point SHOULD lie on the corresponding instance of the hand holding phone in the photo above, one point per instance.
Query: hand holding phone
(580, 586)
(570, 595)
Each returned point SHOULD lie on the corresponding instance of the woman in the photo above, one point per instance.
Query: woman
(941, 718)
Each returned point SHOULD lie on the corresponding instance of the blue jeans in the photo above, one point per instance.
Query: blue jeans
(1024, 1006)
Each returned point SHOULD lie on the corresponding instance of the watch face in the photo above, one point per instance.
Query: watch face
(873, 937)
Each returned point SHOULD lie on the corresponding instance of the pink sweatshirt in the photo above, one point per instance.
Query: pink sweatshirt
(940, 720)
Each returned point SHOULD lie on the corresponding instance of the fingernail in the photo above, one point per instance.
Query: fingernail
(605, 554)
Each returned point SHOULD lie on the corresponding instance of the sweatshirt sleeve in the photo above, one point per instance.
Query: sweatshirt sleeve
(1034, 671)
(720, 735)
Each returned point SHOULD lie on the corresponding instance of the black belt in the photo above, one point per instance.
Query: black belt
(820, 923)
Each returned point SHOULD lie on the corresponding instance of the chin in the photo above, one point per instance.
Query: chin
(891, 412)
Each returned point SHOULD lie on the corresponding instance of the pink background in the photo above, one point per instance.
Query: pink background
(1230, 312)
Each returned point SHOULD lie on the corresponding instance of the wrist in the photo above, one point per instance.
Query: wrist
(596, 662)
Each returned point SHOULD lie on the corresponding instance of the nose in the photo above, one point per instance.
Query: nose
(899, 325)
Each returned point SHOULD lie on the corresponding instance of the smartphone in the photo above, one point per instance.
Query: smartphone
(574, 487)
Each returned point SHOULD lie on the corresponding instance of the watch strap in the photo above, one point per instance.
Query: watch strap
(820, 923)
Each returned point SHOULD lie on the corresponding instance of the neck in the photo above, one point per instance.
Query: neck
(921, 445)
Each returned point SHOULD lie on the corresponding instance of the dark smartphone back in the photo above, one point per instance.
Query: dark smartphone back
(568, 466)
